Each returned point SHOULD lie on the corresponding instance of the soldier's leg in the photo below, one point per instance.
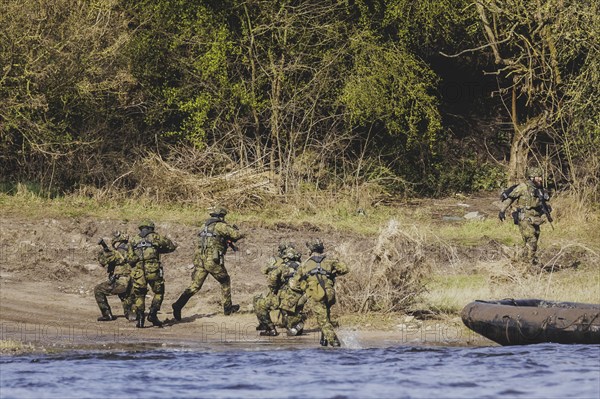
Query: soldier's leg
(157, 284)
(259, 303)
(322, 315)
(127, 299)
(100, 293)
(220, 274)
(140, 288)
(262, 308)
(294, 323)
(198, 278)
(533, 244)
(121, 287)
(530, 235)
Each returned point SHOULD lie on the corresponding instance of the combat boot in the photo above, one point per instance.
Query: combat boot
(323, 340)
(153, 318)
(139, 319)
(261, 327)
(269, 332)
(296, 330)
(231, 309)
(106, 316)
(179, 304)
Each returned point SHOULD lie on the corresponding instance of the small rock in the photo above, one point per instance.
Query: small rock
(90, 267)
(474, 216)
(452, 218)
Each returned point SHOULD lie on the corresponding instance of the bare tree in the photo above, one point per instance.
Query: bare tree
(531, 43)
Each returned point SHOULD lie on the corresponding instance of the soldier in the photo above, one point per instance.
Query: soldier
(215, 237)
(145, 252)
(316, 278)
(279, 271)
(115, 260)
(532, 210)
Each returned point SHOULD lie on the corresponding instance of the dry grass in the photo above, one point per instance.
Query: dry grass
(9, 346)
(388, 277)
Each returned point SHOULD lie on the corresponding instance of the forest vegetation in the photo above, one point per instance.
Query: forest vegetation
(244, 101)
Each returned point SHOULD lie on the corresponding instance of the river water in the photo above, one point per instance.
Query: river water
(534, 371)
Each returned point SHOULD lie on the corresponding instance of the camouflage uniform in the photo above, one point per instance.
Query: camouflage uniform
(215, 237)
(529, 216)
(279, 271)
(115, 260)
(316, 279)
(145, 252)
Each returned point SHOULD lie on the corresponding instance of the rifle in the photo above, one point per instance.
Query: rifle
(104, 246)
(231, 245)
(110, 267)
(546, 209)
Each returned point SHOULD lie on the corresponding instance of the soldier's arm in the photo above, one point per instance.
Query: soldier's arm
(132, 258)
(227, 231)
(340, 268)
(513, 196)
(165, 244)
(274, 278)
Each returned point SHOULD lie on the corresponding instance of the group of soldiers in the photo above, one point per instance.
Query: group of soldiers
(133, 264)
(291, 283)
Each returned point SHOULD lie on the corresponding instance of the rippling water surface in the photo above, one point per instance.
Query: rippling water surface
(535, 371)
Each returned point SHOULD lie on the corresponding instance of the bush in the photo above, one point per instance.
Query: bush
(388, 277)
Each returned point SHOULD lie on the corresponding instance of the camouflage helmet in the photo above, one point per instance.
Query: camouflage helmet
(218, 211)
(146, 223)
(119, 236)
(290, 253)
(315, 245)
(283, 246)
(534, 171)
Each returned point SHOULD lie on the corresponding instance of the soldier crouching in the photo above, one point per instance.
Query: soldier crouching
(115, 260)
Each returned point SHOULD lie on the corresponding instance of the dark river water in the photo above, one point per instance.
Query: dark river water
(535, 371)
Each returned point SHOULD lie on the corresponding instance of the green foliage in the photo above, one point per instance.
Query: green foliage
(431, 23)
(468, 175)
(390, 85)
(321, 94)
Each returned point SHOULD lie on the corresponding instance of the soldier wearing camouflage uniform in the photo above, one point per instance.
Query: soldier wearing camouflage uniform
(145, 252)
(316, 279)
(115, 260)
(530, 197)
(215, 237)
(279, 271)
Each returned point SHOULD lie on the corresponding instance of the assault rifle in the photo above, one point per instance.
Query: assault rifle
(546, 209)
(110, 267)
(232, 245)
(103, 244)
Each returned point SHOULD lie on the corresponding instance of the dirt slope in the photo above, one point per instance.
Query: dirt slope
(48, 271)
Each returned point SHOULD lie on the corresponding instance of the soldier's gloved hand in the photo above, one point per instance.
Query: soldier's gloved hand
(501, 216)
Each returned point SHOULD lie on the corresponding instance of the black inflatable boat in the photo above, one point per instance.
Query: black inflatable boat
(534, 321)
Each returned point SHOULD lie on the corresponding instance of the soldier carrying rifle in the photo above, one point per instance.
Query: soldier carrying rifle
(215, 236)
(532, 210)
(115, 260)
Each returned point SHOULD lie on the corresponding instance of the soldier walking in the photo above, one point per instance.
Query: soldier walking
(145, 252)
(316, 279)
(215, 237)
(115, 260)
(532, 210)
